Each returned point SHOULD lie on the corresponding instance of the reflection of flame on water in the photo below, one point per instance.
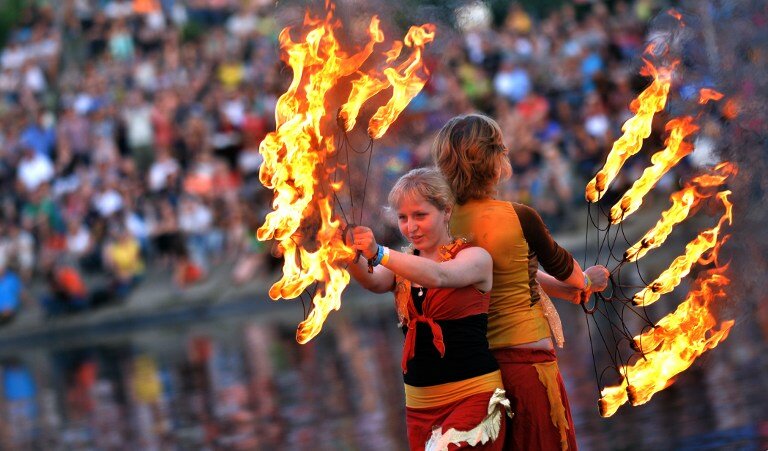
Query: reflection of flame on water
(296, 153)
(676, 340)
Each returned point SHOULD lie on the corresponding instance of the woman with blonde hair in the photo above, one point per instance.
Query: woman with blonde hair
(470, 152)
(453, 387)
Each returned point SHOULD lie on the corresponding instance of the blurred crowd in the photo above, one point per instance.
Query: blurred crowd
(129, 129)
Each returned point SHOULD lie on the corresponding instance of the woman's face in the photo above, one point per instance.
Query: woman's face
(421, 223)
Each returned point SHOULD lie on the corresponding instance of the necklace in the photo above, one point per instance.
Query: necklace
(421, 291)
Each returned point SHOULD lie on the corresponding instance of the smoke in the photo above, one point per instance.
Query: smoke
(724, 45)
(739, 45)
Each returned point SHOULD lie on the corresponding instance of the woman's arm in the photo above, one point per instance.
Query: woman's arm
(576, 278)
(472, 266)
(556, 260)
(558, 289)
(598, 277)
(381, 280)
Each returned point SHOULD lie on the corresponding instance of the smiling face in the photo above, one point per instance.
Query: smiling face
(422, 223)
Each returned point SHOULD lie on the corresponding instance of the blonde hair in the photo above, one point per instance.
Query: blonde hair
(427, 183)
(470, 152)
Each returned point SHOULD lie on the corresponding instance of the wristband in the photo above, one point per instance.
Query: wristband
(587, 282)
(385, 256)
(376, 260)
(379, 255)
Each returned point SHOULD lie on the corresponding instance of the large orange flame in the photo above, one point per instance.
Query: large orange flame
(679, 337)
(635, 129)
(672, 345)
(663, 161)
(296, 153)
(683, 201)
(404, 79)
(681, 266)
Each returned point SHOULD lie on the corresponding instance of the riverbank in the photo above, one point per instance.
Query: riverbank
(157, 301)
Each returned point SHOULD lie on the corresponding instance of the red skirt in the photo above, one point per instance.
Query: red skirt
(462, 415)
(537, 395)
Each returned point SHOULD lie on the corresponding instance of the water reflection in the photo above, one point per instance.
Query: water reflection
(243, 383)
(231, 385)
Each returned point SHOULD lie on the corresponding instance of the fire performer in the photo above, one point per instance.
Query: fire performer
(470, 152)
(453, 387)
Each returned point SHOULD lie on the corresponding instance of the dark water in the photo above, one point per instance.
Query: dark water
(232, 384)
(243, 383)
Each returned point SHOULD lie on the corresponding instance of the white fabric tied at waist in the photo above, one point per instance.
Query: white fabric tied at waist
(487, 431)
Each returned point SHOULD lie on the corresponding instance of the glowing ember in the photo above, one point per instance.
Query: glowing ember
(706, 94)
(635, 129)
(672, 346)
(296, 153)
(674, 13)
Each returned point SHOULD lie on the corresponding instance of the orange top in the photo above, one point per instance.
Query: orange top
(518, 241)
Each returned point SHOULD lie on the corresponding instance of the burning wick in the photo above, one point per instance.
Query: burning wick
(600, 183)
(632, 395)
(602, 406)
(626, 204)
(341, 119)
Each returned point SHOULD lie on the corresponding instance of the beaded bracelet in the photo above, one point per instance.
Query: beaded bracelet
(587, 282)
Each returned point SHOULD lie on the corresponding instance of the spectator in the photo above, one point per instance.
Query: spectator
(164, 172)
(34, 169)
(123, 259)
(17, 247)
(10, 293)
(109, 116)
(66, 291)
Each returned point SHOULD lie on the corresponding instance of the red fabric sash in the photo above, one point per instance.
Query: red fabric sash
(439, 304)
(409, 350)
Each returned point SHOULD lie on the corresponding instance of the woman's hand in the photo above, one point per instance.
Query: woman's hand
(364, 241)
(598, 275)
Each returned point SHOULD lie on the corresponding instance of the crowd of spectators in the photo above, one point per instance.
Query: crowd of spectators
(129, 129)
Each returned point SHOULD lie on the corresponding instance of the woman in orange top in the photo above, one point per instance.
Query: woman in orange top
(453, 387)
(470, 152)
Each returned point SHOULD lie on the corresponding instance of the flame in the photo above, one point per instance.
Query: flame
(707, 94)
(405, 81)
(676, 148)
(635, 129)
(680, 337)
(672, 346)
(682, 203)
(681, 266)
(296, 154)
